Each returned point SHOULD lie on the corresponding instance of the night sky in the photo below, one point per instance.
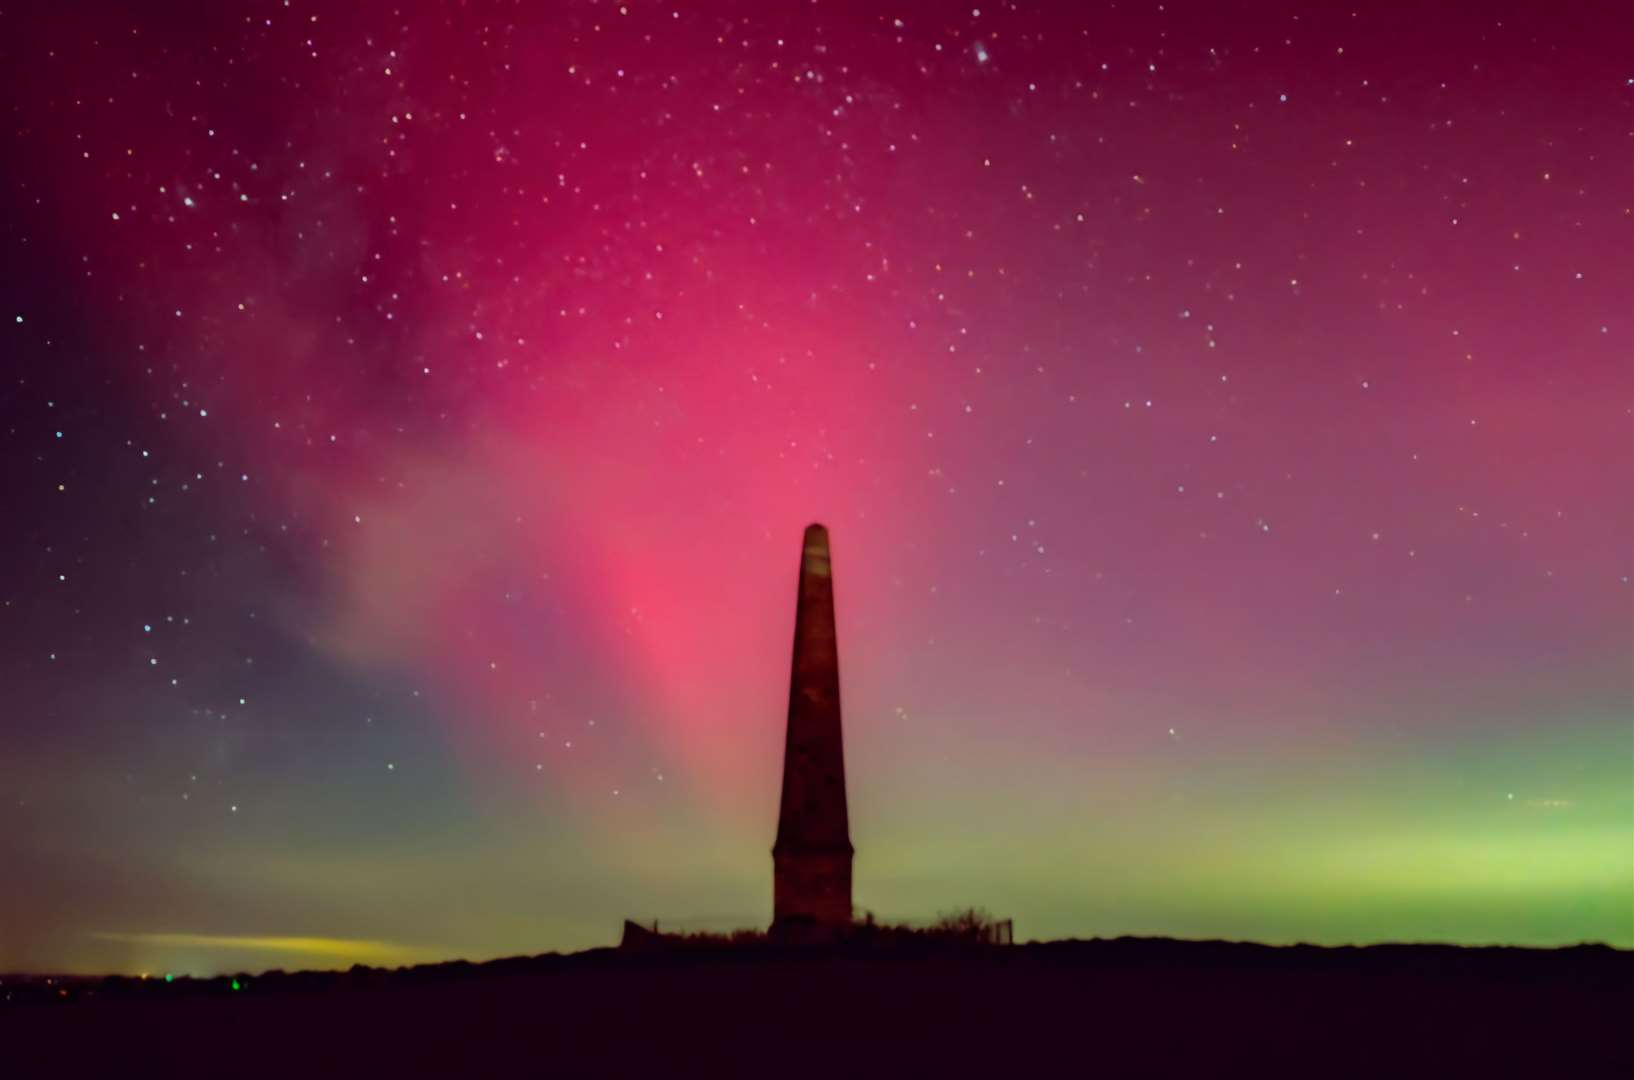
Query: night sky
(1222, 414)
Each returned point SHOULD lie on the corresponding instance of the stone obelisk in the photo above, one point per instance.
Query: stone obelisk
(811, 861)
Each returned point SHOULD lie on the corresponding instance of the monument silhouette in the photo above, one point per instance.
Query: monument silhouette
(811, 857)
(811, 860)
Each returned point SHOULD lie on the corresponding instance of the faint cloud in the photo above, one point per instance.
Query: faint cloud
(355, 950)
(1549, 804)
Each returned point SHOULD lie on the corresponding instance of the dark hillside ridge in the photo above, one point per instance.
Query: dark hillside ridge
(1123, 1007)
(1587, 964)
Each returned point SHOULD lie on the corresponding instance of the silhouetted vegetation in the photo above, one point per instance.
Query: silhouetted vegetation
(967, 927)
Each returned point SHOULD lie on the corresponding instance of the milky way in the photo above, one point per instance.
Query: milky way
(411, 413)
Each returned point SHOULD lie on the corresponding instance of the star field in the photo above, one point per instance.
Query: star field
(410, 414)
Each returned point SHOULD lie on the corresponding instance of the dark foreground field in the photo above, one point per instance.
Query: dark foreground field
(1109, 1008)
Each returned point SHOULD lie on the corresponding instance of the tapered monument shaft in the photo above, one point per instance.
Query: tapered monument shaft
(811, 861)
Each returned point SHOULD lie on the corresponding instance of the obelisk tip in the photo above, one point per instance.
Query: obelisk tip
(814, 557)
